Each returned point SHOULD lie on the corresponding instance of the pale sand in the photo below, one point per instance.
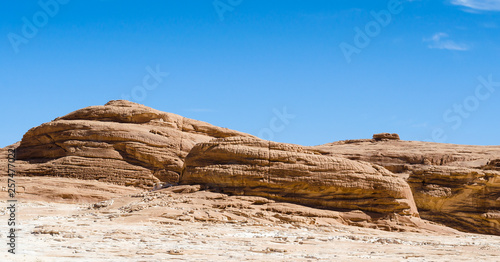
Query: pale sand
(205, 226)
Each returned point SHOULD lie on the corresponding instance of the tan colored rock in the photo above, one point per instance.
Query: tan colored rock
(286, 172)
(459, 197)
(493, 165)
(386, 136)
(456, 185)
(121, 142)
(130, 144)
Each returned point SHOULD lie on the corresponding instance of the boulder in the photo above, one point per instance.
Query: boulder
(456, 185)
(466, 199)
(121, 142)
(291, 173)
(385, 136)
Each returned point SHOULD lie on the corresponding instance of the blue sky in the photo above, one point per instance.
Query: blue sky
(275, 69)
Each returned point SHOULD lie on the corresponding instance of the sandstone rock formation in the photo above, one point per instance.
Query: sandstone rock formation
(493, 165)
(386, 136)
(456, 185)
(130, 144)
(291, 173)
(121, 142)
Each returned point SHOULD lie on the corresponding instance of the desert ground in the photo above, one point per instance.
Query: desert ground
(96, 221)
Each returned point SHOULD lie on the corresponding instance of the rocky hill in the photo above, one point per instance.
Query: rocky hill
(457, 185)
(121, 142)
(381, 179)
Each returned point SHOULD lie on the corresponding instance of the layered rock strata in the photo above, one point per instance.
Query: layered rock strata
(121, 142)
(456, 185)
(291, 173)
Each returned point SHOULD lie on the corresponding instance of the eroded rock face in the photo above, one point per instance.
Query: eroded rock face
(291, 173)
(467, 199)
(493, 165)
(456, 185)
(386, 136)
(121, 142)
(130, 144)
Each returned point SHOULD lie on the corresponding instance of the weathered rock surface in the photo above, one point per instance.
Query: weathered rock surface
(130, 144)
(386, 136)
(285, 172)
(456, 185)
(121, 142)
(493, 165)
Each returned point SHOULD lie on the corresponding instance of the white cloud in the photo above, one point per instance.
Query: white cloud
(486, 5)
(441, 41)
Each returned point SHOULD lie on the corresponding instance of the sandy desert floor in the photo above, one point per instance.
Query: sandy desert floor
(186, 224)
